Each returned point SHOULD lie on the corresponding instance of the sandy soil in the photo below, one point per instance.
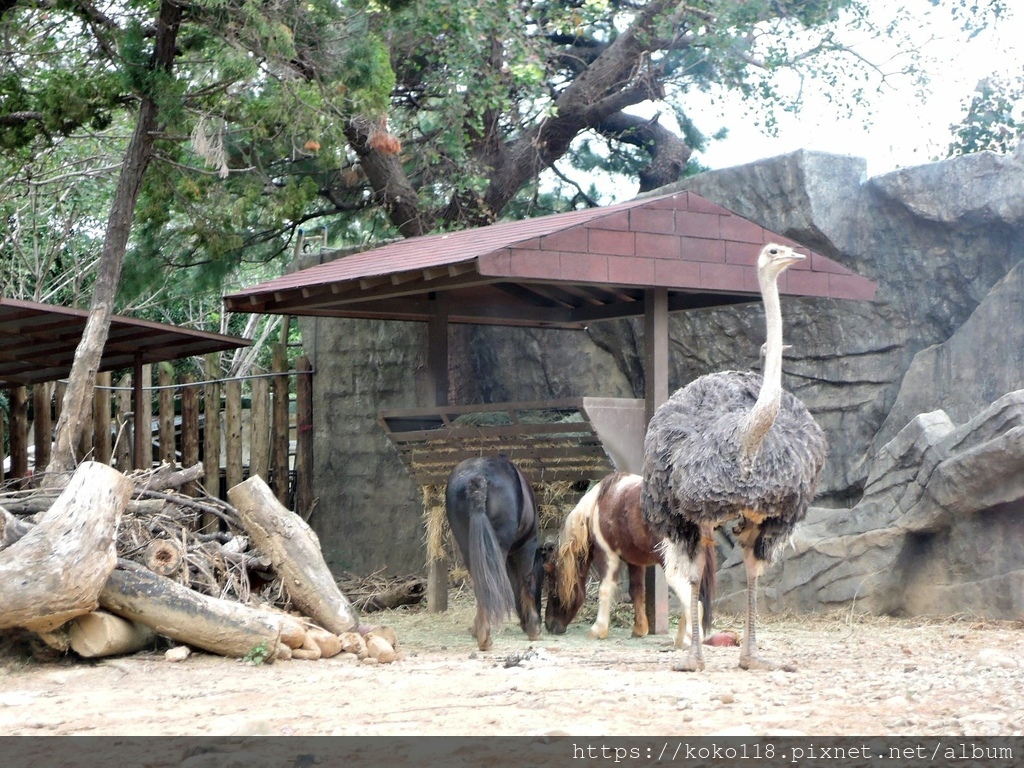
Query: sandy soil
(856, 675)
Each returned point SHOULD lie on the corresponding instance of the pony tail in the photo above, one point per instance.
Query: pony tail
(491, 585)
(707, 585)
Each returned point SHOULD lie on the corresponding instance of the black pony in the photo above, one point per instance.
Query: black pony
(493, 516)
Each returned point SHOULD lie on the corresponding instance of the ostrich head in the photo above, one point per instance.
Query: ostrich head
(774, 259)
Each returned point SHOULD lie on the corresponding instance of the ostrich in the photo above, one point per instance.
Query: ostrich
(734, 446)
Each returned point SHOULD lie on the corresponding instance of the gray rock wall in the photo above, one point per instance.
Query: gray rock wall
(944, 241)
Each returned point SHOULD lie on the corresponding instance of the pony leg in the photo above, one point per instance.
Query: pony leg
(482, 629)
(676, 564)
(524, 569)
(609, 576)
(638, 594)
(694, 661)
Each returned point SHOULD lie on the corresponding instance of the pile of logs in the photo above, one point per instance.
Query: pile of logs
(111, 562)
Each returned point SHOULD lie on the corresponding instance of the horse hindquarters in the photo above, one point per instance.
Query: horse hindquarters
(492, 589)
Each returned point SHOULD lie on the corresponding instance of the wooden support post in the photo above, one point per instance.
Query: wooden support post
(102, 441)
(18, 403)
(3, 453)
(656, 393)
(437, 365)
(165, 377)
(42, 424)
(304, 438)
(233, 432)
(189, 425)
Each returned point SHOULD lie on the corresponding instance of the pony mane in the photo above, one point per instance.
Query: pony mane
(574, 544)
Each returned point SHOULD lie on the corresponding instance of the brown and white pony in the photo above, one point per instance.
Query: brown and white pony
(605, 529)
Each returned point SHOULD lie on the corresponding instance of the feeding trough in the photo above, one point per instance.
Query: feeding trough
(575, 439)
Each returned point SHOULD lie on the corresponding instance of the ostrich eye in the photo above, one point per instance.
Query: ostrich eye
(774, 251)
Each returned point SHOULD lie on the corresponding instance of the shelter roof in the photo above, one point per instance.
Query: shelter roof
(563, 270)
(38, 342)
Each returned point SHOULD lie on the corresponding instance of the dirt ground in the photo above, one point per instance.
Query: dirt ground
(856, 675)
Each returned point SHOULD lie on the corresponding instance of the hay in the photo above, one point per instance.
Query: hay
(437, 534)
(554, 501)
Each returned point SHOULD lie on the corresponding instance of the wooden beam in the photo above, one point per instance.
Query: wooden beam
(437, 367)
(656, 393)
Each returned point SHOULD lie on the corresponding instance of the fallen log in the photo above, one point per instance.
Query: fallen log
(408, 591)
(219, 626)
(57, 570)
(294, 551)
(99, 634)
(11, 528)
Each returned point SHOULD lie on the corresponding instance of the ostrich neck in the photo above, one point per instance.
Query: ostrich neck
(762, 415)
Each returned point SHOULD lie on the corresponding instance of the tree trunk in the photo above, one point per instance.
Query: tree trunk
(294, 550)
(82, 380)
(56, 571)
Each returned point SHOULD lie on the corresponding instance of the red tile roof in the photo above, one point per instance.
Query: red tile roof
(562, 270)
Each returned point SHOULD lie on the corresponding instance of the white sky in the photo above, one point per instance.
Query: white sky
(904, 130)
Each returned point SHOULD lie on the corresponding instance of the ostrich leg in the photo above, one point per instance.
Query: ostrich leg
(749, 658)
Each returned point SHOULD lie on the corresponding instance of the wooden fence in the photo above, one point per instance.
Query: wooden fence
(261, 425)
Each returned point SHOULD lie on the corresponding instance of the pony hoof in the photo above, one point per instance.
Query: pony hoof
(689, 664)
(639, 632)
(485, 645)
(597, 634)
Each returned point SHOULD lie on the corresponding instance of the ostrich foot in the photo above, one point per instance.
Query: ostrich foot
(690, 664)
(753, 661)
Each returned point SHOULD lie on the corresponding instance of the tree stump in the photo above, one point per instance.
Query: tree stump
(294, 550)
(56, 570)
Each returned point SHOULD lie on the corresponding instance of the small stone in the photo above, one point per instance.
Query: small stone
(177, 653)
(993, 657)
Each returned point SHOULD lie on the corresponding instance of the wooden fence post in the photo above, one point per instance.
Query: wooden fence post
(233, 432)
(142, 455)
(304, 438)
(189, 424)
(279, 449)
(211, 434)
(42, 423)
(259, 447)
(101, 440)
(125, 425)
(165, 377)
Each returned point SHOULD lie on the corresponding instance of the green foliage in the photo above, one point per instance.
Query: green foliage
(258, 655)
(995, 118)
(258, 116)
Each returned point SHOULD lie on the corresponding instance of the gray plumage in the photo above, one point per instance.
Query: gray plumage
(734, 446)
(693, 472)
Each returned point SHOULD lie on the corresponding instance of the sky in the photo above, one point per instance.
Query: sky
(905, 131)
